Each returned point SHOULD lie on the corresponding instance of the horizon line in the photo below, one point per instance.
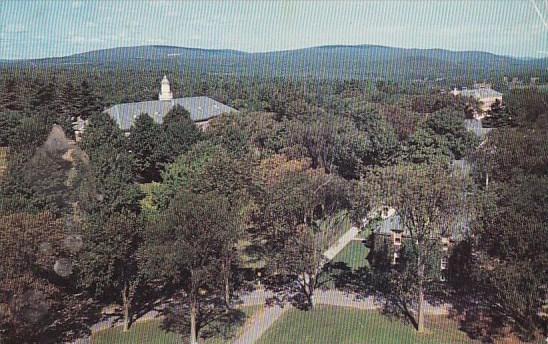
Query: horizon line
(274, 51)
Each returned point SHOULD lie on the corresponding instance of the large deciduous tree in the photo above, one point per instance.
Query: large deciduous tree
(292, 202)
(509, 260)
(430, 204)
(108, 264)
(106, 181)
(194, 230)
(31, 294)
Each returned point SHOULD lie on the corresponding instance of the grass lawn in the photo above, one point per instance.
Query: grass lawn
(151, 332)
(328, 325)
(354, 255)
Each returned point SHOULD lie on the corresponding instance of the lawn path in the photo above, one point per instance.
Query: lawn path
(259, 323)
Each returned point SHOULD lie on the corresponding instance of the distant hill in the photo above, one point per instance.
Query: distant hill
(332, 61)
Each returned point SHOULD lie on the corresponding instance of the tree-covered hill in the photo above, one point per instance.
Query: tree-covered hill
(324, 62)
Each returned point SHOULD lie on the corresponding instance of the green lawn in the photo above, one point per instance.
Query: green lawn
(151, 332)
(328, 325)
(354, 255)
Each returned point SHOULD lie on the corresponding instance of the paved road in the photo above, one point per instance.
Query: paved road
(261, 321)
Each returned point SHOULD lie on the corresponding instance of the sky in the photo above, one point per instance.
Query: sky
(35, 29)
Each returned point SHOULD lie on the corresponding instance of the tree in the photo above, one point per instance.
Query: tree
(292, 205)
(107, 266)
(10, 98)
(9, 121)
(86, 102)
(106, 181)
(205, 168)
(450, 126)
(383, 141)
(430, 204)
(147, 144)
(180, 133)
(32, 297)
(508, 256)
(330, 142)
(427, 147)
(193, 229)
(37, 177)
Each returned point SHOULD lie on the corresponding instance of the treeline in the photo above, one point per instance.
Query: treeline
(170, 212)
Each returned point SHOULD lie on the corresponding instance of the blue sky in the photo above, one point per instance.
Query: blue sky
(30, 29)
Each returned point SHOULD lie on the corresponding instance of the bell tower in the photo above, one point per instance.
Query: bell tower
(165, 90)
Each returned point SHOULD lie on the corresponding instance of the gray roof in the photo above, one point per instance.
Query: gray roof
(393, 223)
(200, 108)
(480, 93)
(475, 126)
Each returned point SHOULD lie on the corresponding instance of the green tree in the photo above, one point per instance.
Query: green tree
(193, 229)
(106, 180)
(32, 297)
(10, 99)
(9, 121)
(450, 126)
(291, 208)
(180, 133)
(205, 168)
(107, 267)
(508, 255)
(147, 144)
(430, 204)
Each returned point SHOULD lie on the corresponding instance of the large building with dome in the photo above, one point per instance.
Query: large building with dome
(201, 109)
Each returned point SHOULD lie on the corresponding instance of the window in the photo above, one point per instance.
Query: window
(396, 259)
(444, 263)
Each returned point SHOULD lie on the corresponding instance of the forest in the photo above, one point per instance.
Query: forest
(192, 218)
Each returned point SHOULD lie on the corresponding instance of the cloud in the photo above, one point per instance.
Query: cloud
(15, 28)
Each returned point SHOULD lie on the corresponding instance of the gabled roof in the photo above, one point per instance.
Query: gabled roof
(200, 108)
(394, 224)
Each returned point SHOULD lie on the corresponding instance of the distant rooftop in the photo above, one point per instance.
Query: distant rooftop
(200, 109)
(481, 93)
(393, 223)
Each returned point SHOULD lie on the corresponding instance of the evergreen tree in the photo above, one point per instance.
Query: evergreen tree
(180, 133)
(10, 96)
(106, 182)
(147, 144)
(86, 102)
(107, 266)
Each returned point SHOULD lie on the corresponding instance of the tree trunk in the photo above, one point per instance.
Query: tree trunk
(420, 310)
(226, 272)
(308, 291)
(193, 332)
(125, 301)
(227, 291)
